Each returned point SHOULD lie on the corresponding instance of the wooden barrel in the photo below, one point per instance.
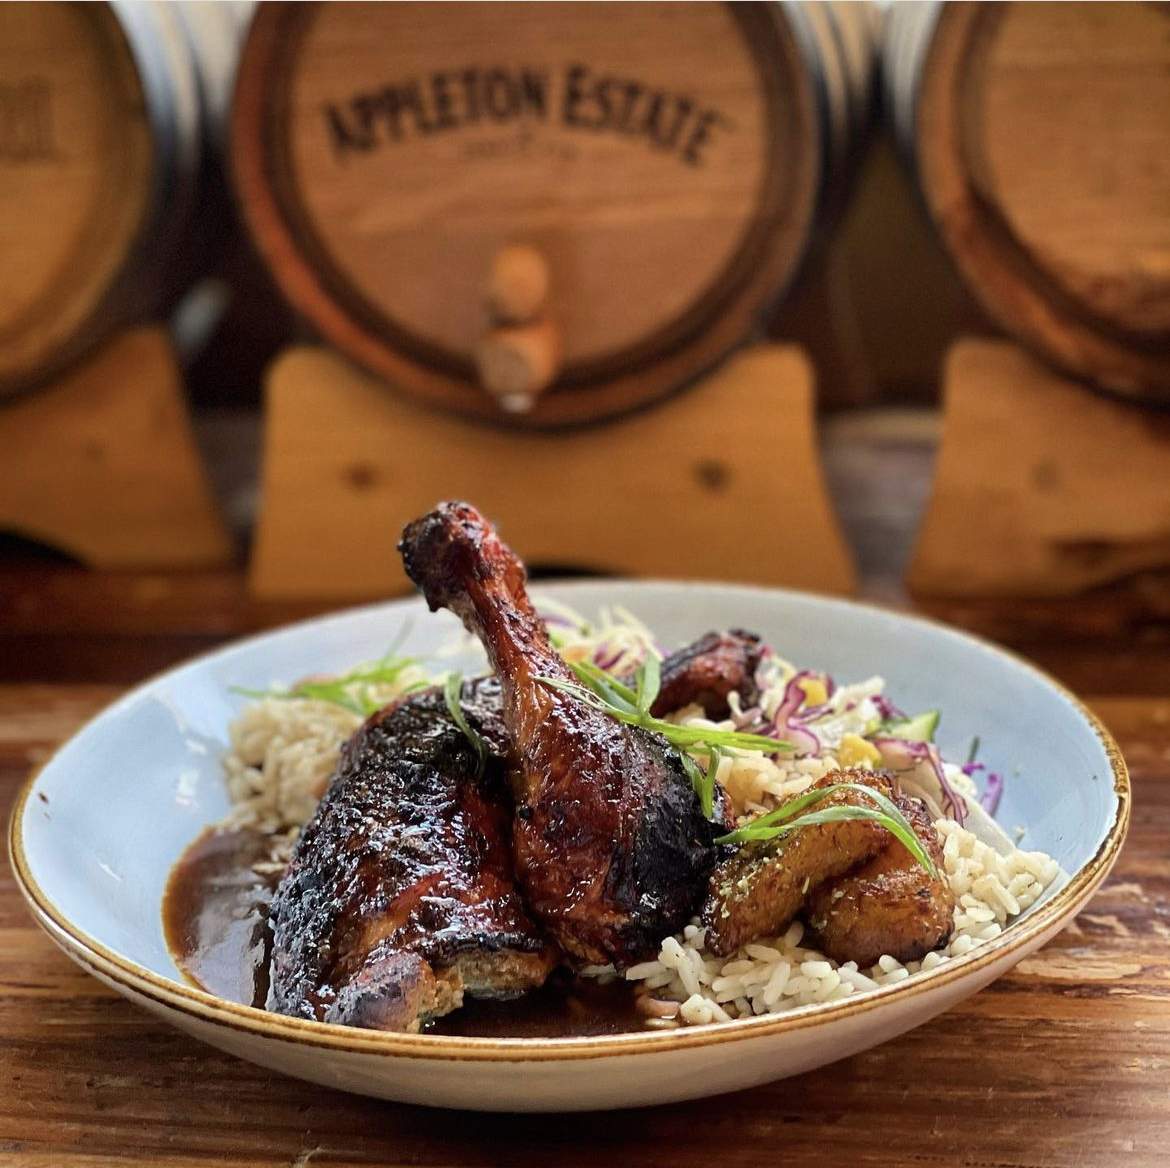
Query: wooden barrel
(1040, 135)
(668, 162)
(102, 110)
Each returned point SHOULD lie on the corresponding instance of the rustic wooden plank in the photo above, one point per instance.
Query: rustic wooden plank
(1062, 1063)
(1070, 493)
(44, 598)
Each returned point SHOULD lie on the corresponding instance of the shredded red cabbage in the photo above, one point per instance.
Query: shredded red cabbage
(555, 618)
(605, 657)
(992, 793)
(785, 722)
(792, 697)
(903, 754)
(802, 739)
(992, 786)
(812, 713)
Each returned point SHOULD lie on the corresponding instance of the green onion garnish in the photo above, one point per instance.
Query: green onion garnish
(605, 685)
(452, 694)
(694, 772)
(649, 681)
(353, 691)
(602, 691)
(781, 821)
(707, 789)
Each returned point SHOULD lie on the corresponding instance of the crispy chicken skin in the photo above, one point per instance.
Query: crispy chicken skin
(707, 671)
(764, 886)
(704, 673)
(612, 850)
(888, 905)
(400, 895)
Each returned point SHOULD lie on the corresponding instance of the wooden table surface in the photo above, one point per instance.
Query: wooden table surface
(1065, 1062)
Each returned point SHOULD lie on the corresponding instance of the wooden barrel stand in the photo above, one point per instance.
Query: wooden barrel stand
(1042, 488)
(102, 463)
(1040, 139)
(722, 482)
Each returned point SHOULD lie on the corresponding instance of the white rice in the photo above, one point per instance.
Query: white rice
(283, 751)
(776, 974)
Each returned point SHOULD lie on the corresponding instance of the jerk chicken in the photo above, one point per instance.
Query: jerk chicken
(428, 873)
(400, 897)
(611, 848)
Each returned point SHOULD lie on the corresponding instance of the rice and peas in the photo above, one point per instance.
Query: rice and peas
(283, 750)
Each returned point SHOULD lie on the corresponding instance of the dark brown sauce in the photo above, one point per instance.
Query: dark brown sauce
(215, 916)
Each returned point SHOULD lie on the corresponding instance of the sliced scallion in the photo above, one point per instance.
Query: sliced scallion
(787, 818)
(649, 681)
(707, 790)
(683, 737)
(452, 695)
(354, 691)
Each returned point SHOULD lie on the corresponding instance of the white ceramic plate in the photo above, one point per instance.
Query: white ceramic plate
(94, 835)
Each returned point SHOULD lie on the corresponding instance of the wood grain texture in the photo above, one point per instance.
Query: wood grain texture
(1041, 137)
(1061, 1064)
(103, 464)
(347, 464)
(62, 623)
(1073, 143)
(667, 161)
(103, 114)
(75, 173)
(1040, 488)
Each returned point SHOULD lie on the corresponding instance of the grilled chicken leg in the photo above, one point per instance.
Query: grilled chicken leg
(612, 850)
(400, 896)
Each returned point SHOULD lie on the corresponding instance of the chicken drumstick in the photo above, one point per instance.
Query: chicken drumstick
(612, 850)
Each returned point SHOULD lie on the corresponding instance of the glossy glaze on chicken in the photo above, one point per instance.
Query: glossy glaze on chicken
(400, 895)
(611, 847)
(707, 672)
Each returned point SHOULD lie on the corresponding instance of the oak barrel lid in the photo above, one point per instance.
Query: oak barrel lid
(665, 160)
(1042, 137)
(75, 173)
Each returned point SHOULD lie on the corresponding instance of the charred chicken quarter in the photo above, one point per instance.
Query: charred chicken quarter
(400, 897)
